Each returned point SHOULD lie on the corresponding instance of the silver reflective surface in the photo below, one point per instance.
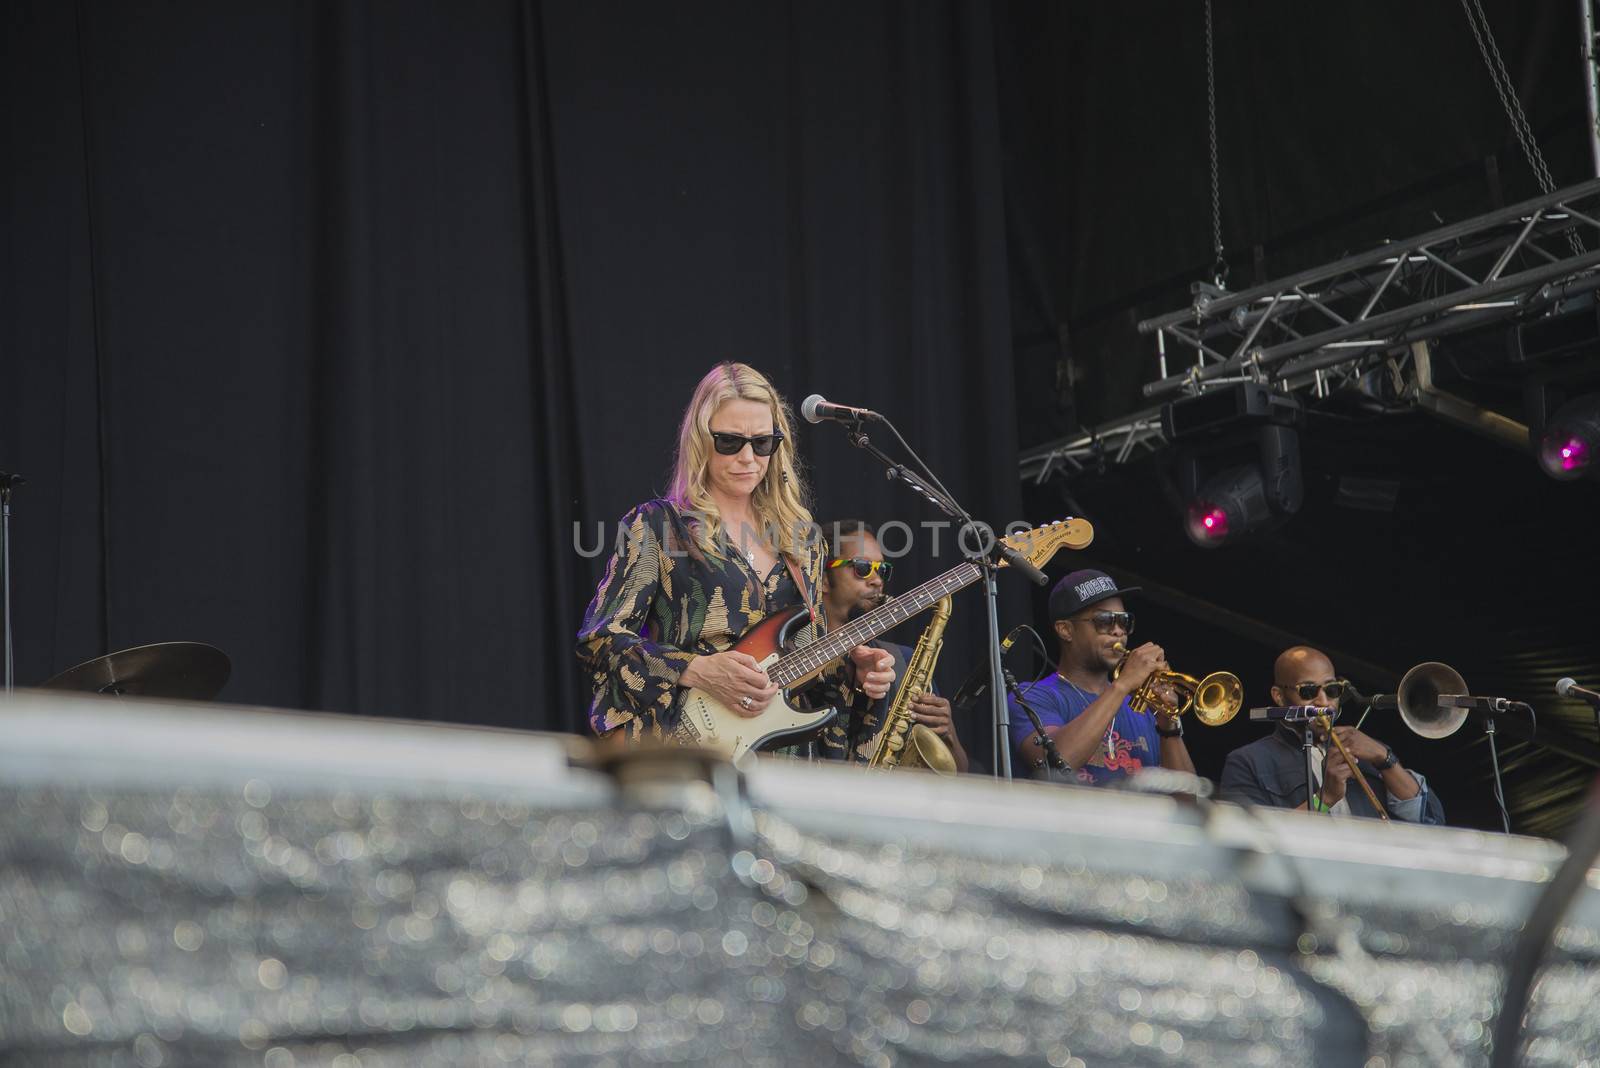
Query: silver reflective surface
(279, 917)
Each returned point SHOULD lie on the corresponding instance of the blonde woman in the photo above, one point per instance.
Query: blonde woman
(731, 544)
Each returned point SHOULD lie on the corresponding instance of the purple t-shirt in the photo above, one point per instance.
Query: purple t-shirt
(1132, 745)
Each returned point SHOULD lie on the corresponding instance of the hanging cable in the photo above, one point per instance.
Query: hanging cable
(1219, 265)
(1490, 51)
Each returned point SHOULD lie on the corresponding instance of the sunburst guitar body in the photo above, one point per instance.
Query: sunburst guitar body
(705, 721)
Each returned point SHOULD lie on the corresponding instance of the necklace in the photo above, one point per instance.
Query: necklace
(1111, 745)
(1075, 686)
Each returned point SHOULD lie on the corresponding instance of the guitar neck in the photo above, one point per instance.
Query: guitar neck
(803, 663)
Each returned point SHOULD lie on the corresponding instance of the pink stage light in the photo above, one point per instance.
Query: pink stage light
(1566, 455)
(1208, 524)
(1574, 454)
(1566, 448)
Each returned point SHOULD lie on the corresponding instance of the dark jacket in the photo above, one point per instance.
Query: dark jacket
(1272, 771)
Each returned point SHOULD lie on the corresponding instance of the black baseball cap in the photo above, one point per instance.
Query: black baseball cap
(1080, 589)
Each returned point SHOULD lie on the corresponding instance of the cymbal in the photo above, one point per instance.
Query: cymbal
(190, 671)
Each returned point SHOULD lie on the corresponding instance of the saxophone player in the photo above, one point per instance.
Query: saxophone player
(854, 578)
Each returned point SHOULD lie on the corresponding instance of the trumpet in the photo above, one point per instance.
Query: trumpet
(1215, 699)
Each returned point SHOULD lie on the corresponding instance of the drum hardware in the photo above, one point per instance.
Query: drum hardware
(186, 671)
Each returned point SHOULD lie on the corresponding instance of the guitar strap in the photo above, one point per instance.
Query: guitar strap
(799, 584)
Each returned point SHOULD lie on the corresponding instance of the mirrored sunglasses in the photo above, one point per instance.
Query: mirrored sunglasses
(1106, 622)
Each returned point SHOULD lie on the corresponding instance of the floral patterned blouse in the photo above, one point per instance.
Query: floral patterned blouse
(665, 600)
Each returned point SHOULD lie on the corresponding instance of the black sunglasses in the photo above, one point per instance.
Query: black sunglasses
(864, 567)
(761, 444)
(1106, 622)
(1307, 691)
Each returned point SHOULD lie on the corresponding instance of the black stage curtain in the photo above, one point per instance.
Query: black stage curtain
(331, 331)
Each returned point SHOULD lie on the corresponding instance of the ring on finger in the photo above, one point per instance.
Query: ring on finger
(745, 702)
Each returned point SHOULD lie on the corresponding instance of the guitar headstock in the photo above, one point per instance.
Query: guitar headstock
(1041, 543)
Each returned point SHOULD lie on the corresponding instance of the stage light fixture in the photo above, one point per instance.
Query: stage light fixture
(1243, 498)
(1567, 446)
(1229, 504)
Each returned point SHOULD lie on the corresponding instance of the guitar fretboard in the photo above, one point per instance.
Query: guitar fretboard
(808, 661)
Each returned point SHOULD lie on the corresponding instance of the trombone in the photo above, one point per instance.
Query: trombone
(1215, 699)
(1355, 769)
(1417, 701)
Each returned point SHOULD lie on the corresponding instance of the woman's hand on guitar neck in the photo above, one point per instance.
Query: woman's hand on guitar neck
(729, 677)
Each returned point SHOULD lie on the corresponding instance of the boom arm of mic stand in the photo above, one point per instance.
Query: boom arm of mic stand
(1021, 563)
(940, 497)
(935, 492)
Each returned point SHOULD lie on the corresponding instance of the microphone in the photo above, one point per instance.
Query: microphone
(1476, 704)
(1570, 688)
(1356, 699)
(976, 684)
(1023, 564)
(1293, 713)
(816, 409)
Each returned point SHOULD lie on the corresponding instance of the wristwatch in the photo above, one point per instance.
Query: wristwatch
(1175, 732)
(1389, 759)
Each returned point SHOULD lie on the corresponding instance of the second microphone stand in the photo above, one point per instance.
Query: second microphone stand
(984, 558)
(1056, 769)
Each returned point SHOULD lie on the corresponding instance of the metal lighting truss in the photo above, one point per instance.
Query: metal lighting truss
(1324, 329)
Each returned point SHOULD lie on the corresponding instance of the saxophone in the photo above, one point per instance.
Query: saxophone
(902, 741)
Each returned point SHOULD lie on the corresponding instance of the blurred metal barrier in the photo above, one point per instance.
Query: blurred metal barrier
(206, 885)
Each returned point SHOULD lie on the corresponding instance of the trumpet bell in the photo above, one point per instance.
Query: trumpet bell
(1218, 698)
(1417, 699)
(1214, 700)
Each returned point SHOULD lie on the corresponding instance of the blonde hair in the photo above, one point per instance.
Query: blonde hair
(780, 500)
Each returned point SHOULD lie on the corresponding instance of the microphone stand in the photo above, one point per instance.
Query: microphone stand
(934, 491)
(8, 483)
(1306, 740)
(1056, 768)
(1494, 760)
(1489, 707)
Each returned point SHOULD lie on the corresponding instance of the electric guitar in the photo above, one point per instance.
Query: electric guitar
(706, 722)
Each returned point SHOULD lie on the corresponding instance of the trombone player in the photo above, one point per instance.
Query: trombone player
(1272, 770)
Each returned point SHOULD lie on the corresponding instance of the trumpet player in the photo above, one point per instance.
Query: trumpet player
(1272, 770)
(1083, 709)
(855, 577)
